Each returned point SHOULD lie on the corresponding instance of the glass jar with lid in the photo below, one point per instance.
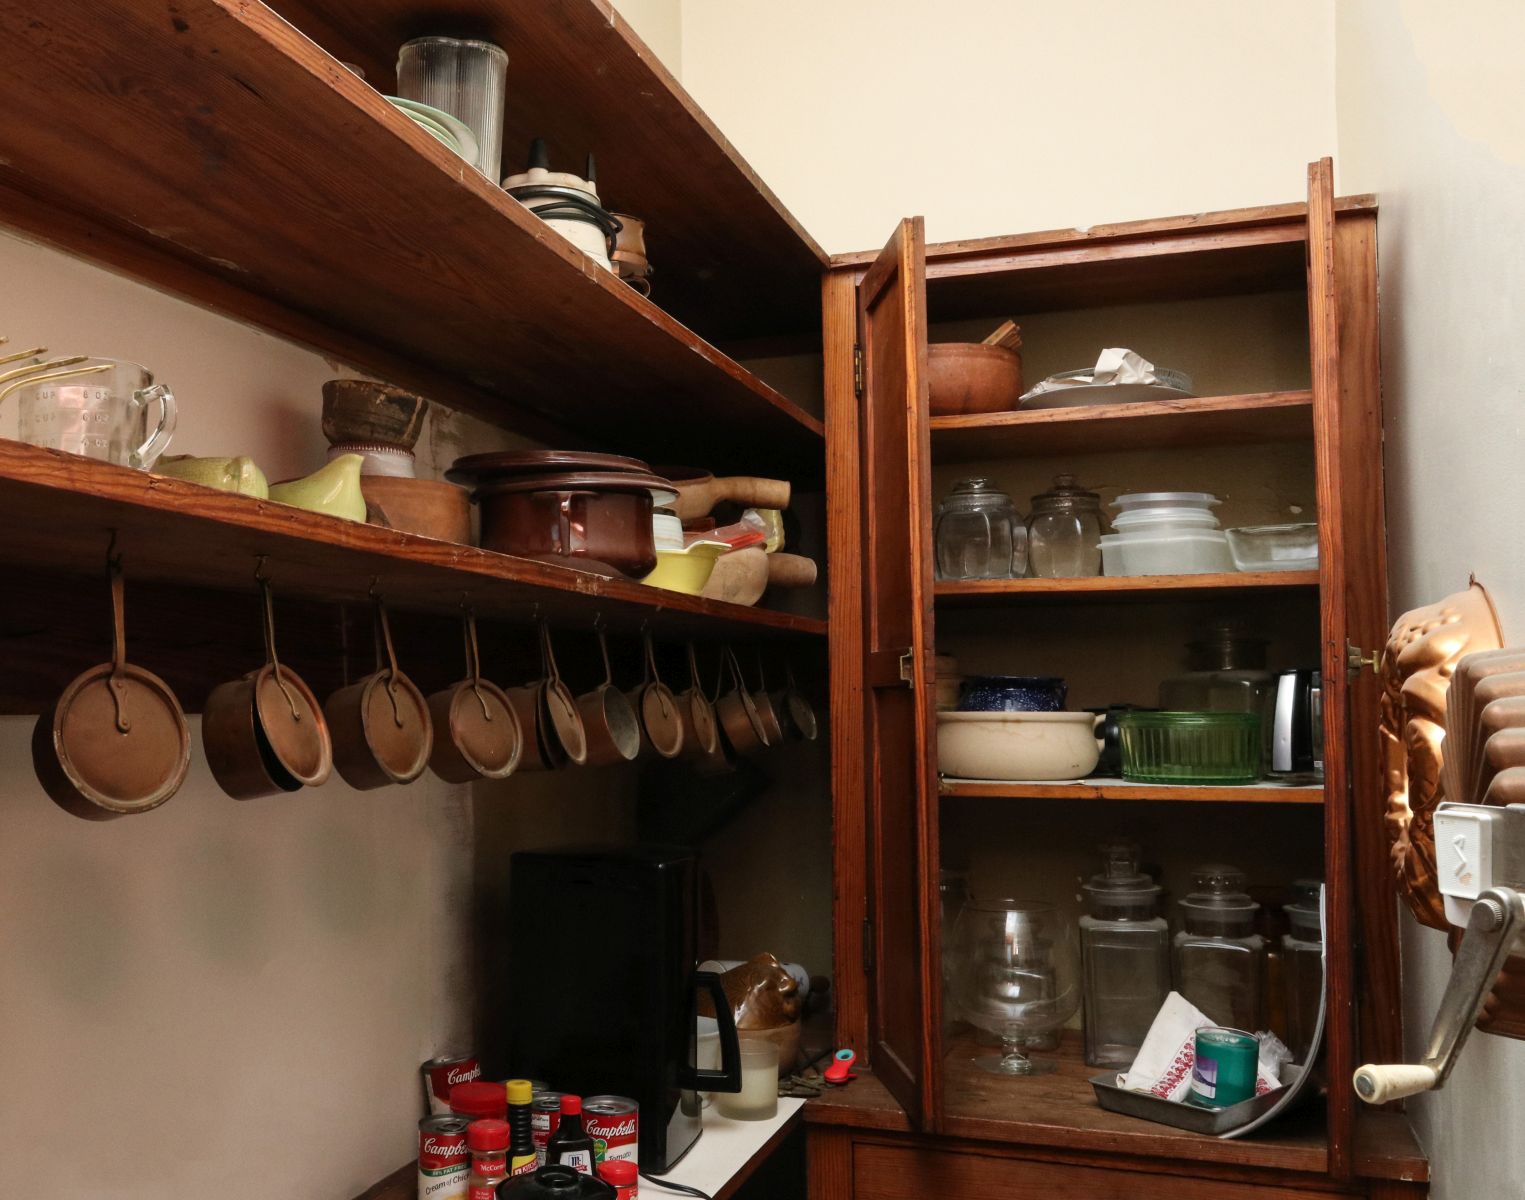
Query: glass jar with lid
(1226, 673)
(1219, 958)
(978, 533)
(1064, 531)
(1303, 966)
(1125, 957)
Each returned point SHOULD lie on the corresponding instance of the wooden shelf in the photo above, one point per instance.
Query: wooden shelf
(1206, 421)
(970, 592)
(1119, 789)
(63, 511)
(261, 177)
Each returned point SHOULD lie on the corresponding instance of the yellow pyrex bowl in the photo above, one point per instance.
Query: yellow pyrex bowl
(686, 570)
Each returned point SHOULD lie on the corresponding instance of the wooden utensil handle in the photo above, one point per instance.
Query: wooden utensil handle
(791, 571)
(1006, 335)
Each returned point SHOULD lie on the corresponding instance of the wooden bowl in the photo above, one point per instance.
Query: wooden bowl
(423, 506)
(970, 377)
(358, 410)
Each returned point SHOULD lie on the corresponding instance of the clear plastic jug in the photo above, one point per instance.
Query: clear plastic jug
(98, 409)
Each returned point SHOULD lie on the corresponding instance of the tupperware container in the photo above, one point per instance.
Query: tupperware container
(1136, 501)
(1190, 747)
(1275, 547)
(1172, 552)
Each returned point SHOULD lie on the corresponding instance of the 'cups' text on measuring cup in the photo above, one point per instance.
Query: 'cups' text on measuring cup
(98, 409)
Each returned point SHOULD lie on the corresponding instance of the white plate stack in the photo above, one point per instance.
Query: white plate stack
(1165, 533)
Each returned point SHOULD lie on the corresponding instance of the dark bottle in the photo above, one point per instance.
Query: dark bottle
(521, 1144)
(570, 1145)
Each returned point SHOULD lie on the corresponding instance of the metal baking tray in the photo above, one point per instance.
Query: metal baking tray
(1215, 1122)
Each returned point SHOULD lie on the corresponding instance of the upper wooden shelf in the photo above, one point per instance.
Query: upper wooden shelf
(216, 151)
(63, 512)
(967, 592)
(1205, 421)
(1121, 789)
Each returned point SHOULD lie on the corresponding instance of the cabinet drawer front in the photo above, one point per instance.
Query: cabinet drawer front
(897, 1173)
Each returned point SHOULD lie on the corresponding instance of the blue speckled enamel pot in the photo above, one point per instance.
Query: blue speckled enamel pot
(1012, 693)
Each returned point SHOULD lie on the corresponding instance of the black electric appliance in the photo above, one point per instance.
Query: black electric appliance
(1297, 731)
(597, 990)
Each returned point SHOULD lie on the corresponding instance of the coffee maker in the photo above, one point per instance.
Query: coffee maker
(596, 993)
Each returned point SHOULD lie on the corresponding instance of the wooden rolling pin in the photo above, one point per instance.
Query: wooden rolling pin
(699, 493)
(791, 571)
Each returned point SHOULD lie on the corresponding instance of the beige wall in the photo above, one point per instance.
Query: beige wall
(999, 116)
(659, 23)
(1430, 115)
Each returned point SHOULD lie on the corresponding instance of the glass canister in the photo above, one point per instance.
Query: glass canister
(1226, 672)
(1303, 966)
(978, 533)
(1125, 957)
(1219, 958)
(466, 79)
(1064, 531)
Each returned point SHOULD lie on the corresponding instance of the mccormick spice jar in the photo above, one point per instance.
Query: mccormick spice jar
(443, 1073)
(613, 1122)
(622, 1175)
(442, 1164)
(488, 1142)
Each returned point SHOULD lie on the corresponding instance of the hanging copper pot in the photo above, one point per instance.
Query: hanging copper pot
(796, 712)
(562, 736)
(265, 734)
(661, 724)
(767, 714)
(610, 721)
(476, 732)
(701, 734)
(116, 742)
(739, 721)
(381, 729)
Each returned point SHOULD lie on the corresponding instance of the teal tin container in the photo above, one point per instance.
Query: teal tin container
(1224, 1071)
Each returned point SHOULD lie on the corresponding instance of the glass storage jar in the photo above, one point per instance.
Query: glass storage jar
(1226, 672)
(1219, 958)
(978, 533)
(1303, 967)
(1124, 958)
(1064, 531)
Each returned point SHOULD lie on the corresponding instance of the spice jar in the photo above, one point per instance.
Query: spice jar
(978, 533)
(488, 1142)
(1064, 531)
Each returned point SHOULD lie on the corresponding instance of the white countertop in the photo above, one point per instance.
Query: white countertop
(725, 1147)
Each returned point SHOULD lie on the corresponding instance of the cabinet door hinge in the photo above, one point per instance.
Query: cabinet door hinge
(868, 947)
(858, 371)
(1356, 658)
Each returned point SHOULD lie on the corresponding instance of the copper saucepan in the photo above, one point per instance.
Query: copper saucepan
(562, 736)
(767, 714)
(796, 711)
(737, 711)
(264, 733)
(116, 742)
(609, 719)
(381, 729)
(701, 736)
(658, 707)
(476, 731)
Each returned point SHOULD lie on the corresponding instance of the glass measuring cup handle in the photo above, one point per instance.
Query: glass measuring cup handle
(148, 453)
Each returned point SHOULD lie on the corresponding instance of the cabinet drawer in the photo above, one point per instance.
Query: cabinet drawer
(906, 1173)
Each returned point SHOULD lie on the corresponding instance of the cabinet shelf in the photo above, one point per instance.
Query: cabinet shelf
(64, 510)
(1208, 421)
(225, 156)
(1120, 789)
(987, 592)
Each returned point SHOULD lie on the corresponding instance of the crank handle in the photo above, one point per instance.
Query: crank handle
(1497, 918)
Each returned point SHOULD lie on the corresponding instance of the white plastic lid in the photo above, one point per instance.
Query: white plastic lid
(1196, 517)
(1136, 500)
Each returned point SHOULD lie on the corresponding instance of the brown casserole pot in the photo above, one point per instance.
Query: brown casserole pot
(970, 377)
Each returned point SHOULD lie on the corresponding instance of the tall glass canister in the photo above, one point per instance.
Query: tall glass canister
(1303, 967)
(1125, 957)
(1219, 958)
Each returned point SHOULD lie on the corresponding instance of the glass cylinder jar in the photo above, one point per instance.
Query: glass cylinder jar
(1064, 531)
(1226, 673)
(1125, 958)
(1303, 967)
(978, 534)
(1219, 958)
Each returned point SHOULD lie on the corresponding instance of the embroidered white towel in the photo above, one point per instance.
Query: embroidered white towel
(1163, 1065)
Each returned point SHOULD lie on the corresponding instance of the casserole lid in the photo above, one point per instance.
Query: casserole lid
(662, 492)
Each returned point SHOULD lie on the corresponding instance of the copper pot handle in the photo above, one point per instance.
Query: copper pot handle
(693, 670)
(383, 630)
(652, 672)
(267, 620)
(473, 657)
(603, 648)
(115, 681)
(548, 655)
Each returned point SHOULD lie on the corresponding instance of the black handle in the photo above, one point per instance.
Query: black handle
(728, 1078)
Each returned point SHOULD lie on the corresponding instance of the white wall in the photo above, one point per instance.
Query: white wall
(1432, 115)
(659, 23)
(1003, 116)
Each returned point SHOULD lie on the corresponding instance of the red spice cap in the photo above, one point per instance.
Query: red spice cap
(618, 1172)
(571, 1106)
(487, 1135)
(479, 1099)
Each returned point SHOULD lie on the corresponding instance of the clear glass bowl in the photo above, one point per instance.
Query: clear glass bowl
(1190, 747)
(1275, 547)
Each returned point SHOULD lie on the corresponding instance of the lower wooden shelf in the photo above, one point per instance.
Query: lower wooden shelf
(1119, 587)
(1120, 789)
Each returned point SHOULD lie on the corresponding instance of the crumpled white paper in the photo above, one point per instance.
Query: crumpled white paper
(1114, 365)
(1164, 1062)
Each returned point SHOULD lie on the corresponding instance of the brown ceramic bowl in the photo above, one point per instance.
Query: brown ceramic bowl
(422, 506)
(357, 410)
(970, 377)
(570, 524)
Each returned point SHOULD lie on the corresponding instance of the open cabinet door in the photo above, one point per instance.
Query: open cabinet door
(900, 737)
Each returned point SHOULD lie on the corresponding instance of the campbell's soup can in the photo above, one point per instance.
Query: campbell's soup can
(614, 1124)
(442, 1074)
(545, 1115)
(444, 1165)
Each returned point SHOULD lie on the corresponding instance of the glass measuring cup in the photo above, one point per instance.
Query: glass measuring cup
(98, 408)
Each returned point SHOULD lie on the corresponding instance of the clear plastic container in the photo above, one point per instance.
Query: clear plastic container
(1176, 552)
(1303, 967)
(1064, 531)
(1144, 520)
(1125, 957)
(1275, 547)
(978, 534)
(1138, 501)
(466, 79)
(1219, 958)
(1204, 748)
(1227, 674)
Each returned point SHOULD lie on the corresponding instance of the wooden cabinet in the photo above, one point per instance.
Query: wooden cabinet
(1280, 305)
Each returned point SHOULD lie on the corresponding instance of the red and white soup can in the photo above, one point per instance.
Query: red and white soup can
(442, 1074)
(444, 1164)
(614, 1124)
(545, 1115)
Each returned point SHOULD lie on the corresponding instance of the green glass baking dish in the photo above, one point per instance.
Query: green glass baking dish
(1190, 747)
